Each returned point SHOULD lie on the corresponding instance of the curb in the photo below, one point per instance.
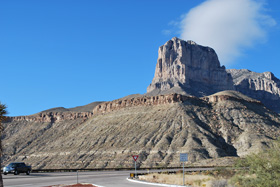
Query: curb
(97, 185)
(155, 184)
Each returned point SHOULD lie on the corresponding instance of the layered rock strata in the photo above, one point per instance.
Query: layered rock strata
(59, 114)
(187, 68)
(264, 87)
(168, 120)
(158, 129)
(140, 101)
(52, 117)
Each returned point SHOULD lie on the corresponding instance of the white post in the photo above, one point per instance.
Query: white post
(183, 173)
(135, 170)
(77, 176)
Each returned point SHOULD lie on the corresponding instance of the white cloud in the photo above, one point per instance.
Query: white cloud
(166, 32)
(228, 26)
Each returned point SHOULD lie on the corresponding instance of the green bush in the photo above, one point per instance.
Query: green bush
(259, 169)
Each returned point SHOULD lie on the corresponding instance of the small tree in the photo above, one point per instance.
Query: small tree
(3, 112)
(260, 169)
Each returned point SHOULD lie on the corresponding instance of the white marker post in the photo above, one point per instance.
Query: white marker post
(135, 157)
(77, 176)
(183, 158)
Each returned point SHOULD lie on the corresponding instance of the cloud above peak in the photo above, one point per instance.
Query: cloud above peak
(228, 26)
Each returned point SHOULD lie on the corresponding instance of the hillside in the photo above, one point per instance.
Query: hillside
(210, 127)
(193, 105)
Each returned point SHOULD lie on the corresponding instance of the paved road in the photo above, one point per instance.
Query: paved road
(100, 178)
(105, 179)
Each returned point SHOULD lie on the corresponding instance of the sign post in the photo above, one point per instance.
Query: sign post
(135, 157)
(183, 158)
(77, 176)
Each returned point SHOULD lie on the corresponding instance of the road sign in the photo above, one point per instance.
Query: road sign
(183, 157)
(135, 157)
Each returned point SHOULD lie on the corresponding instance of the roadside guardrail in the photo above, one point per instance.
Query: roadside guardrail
(121, 169)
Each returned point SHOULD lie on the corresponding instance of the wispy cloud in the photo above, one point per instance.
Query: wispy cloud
(228, 26)
(166, 32)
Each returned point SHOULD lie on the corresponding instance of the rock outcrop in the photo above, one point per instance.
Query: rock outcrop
(264, 87)
(52, 117)
(139, 101)
(182, 112)
(187, 68)
(156, 128)
(58, 114)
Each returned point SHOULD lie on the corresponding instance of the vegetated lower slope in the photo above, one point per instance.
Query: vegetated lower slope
(224, 124)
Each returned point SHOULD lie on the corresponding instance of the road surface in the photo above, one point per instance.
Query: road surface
(100, 178)
(104, 178)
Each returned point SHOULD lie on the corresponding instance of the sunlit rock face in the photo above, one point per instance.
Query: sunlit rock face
(170, 119)
(188, 68)
(264, 87)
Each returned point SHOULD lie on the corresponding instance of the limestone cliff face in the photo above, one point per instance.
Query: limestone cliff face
(52, 116)
(188, 68)
(139, 101)
(264, 87)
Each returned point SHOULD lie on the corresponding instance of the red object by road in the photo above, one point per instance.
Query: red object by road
(135, 157)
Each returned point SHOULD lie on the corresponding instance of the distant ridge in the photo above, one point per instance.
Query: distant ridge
(86, 108)
(264, 87)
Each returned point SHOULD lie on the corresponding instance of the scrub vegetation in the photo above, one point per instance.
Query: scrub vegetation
(217, 178)
(261, 169)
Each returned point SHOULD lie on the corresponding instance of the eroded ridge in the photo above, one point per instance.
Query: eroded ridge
(52, 116)
(140, 101)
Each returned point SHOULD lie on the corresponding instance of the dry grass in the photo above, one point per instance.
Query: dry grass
(194, 180)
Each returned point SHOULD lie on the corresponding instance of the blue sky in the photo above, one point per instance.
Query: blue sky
(67, 53)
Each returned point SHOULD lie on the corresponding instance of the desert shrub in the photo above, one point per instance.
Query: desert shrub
(198, 182)
(224, 173)
(259, 169)
(219, 183)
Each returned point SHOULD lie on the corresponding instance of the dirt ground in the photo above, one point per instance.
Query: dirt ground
(195, 179)
(177, 179)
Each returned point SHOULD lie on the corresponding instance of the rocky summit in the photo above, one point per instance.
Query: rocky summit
(188, 68)
(193, 105)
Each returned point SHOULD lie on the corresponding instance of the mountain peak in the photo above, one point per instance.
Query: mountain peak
(188, 68)
(175, 39)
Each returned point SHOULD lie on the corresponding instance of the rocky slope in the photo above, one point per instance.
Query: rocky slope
(156, 128)
(261, 86)
(58, 114)
(187, 68)
(183, 111)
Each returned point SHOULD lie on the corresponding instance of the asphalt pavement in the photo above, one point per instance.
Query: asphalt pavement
(100, 178)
